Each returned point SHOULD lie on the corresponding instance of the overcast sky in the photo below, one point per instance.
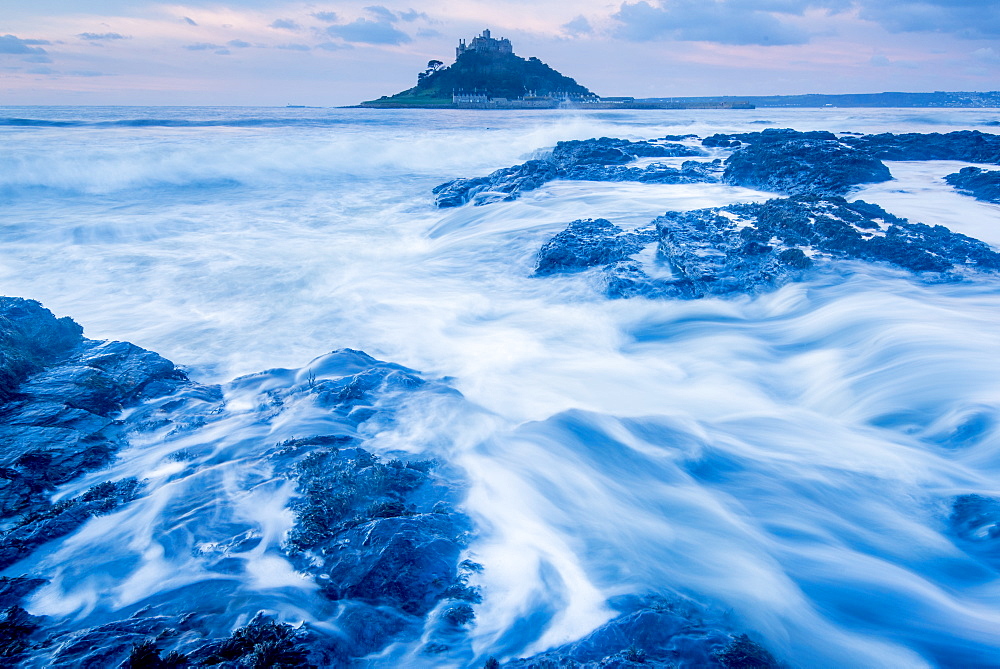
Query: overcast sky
(271, 52)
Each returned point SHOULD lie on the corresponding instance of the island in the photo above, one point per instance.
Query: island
(487, 74)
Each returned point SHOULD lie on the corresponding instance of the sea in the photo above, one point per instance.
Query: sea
(787, 460)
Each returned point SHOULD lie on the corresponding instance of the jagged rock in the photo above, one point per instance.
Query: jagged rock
(377, 532)
(979, 183)
(59, 519)
(509, 181)
(769, 136)
(13, 590)
(380, 538)
(602, 159)
(967, 145)
(655, 635)
(62, 393)
(751, 248)
(30, 338)
(261, 643)
(745, 653)
(802, 163)
(747, 248)
(16, 628)
(588, 243)
(612, 151)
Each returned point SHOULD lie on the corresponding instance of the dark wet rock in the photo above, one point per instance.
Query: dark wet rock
(710, 171)
(145, 655)
(722, 142)
(381, 538)
(504, 184)
(748, 248)
(769, 136)
(119, 643)
(979, 183)
(820, 163)
(745, 653)
(62, 394)
(653, 635)
(966, 145)
(802, 165)
(753, 248)
(589, 243)
(603, 159)
(382, 533)
(261, 643)
(16, 628)
(30, 339)
(59, 519)
(13, 590)
(610, 151)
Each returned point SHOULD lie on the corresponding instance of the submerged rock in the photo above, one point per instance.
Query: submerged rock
(979, 183)
(601, 159)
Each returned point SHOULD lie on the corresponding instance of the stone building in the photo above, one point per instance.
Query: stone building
(485, 44)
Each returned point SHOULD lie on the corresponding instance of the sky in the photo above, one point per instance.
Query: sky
(329, 53)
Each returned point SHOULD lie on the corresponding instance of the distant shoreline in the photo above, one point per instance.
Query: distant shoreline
(899, 100)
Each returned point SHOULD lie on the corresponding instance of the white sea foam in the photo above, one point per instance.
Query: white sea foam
(787, 458)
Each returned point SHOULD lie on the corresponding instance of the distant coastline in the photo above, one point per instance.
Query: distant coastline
(937, 99)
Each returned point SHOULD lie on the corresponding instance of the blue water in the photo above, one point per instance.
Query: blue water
(787, 460)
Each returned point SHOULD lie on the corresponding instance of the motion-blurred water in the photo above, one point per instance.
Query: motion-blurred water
(789, 459)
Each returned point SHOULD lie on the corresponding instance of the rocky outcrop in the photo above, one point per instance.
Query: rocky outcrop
(382, 534)
(62, 393)
(589, 243)
(654, 633)
(504, 184)
(603, 159)
(966, 145)
(979, 183)
(801, 166)
(778, 160)
(381, 538)
(753, 248)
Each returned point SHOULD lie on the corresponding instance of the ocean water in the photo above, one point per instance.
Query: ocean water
(787, 460)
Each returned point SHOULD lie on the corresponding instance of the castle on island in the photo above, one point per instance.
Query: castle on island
(485, 44)
(488, 75)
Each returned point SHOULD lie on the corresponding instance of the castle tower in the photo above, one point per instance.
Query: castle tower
(485, 43)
